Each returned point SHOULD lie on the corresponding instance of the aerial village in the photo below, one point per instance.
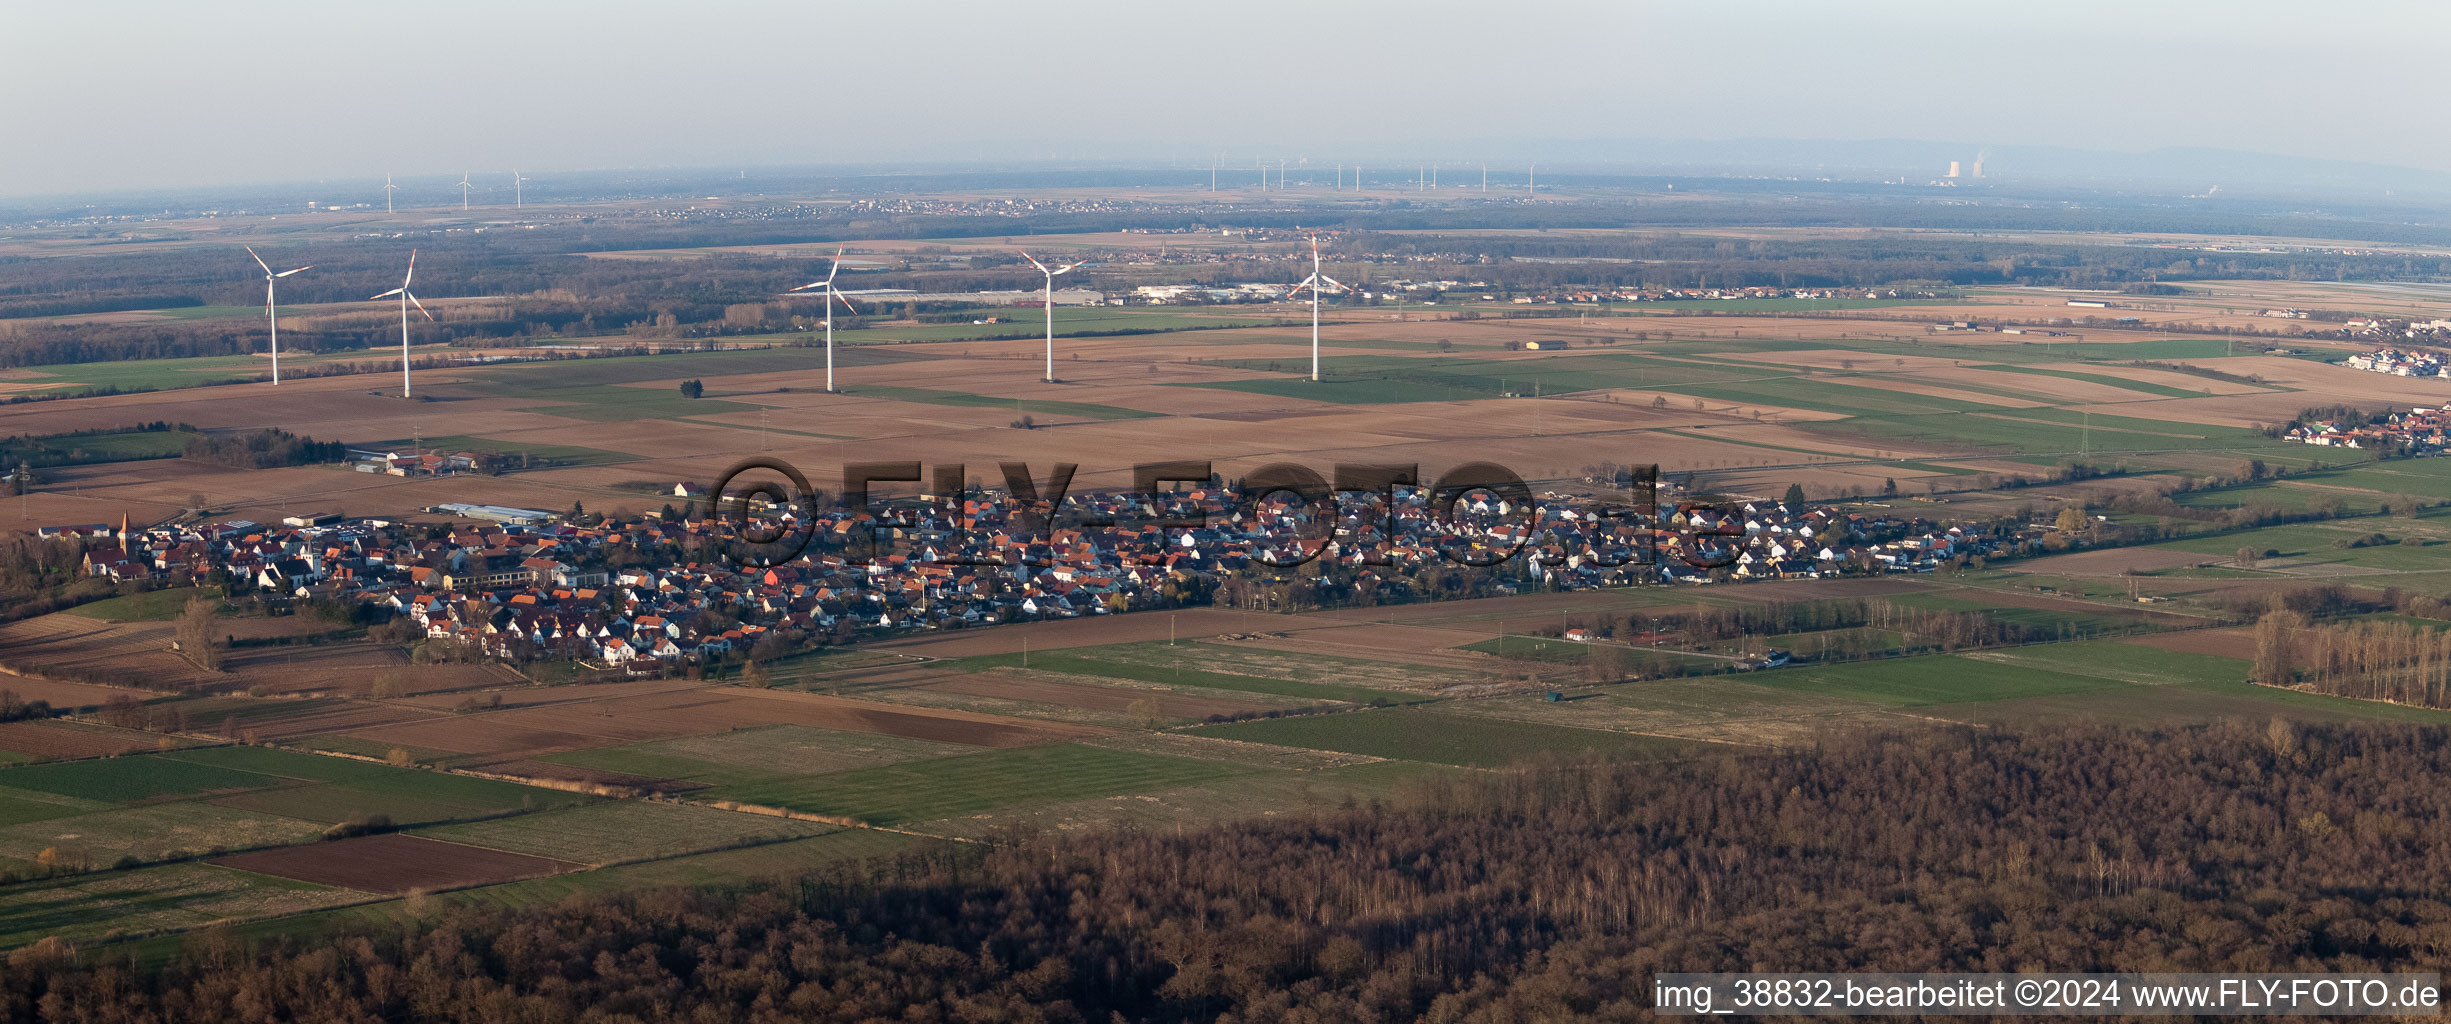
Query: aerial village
(518, 584)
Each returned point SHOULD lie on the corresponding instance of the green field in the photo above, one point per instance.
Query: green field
(2123, 383)
(342, 788)
(1935, 679)
(745, 757)
(624, 830)
(426, 796)
(130, 806)
(150, 606)
(2424, 478)
(191, 372)
(1416, 735)
(2125, 662)
(2294, 495)
(1243, 797)
(1206, 665)
(971, 783)
(303, 921)
(19, 809)
(85, 908)
(130, 779)
(718, 868)
(2320, 544)
(155, 831)
(89, 449)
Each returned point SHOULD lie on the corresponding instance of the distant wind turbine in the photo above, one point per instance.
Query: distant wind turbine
(832, 297)
(519, 195)
(1313, 282)
(405, 299)
(271, 319)
(1051, 275)
(388, 189)
(464, 187)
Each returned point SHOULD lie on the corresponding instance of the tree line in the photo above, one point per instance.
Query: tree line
(1545, 893)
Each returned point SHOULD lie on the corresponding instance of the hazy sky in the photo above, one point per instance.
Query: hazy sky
(139, 93)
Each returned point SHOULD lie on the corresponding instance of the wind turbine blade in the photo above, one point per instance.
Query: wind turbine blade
(844, 299)
(259, 261)
(388, 294)
(1070, 267)
(805, 287)
(412, 273)
(838, 265)
(300, 270)
(1025, 254)
(1335, 282)
(421, 307)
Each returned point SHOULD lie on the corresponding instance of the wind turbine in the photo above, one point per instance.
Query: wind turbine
(1312, 282)
(405, 300)
(464, 187)
(272, 320)
(388, 189)
(519, 196)
(832, 297)
(1051, 274)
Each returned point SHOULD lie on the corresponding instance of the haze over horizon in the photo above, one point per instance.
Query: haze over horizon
(288, 91)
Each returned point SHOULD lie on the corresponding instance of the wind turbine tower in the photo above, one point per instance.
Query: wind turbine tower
(464, 187)
(388, 189)
(272, 319)
(1313, 282)
(833, 297)
(1051, 276)
(405, 300)
(519, 195)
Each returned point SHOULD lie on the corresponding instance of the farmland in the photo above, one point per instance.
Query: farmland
(393, 864)
(1440, 738)
(627, 830)
(236, 793)
(1218, 667)
(970, 783)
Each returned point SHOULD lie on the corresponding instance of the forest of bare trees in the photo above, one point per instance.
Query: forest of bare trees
(2397, 661)
(1545, 894)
